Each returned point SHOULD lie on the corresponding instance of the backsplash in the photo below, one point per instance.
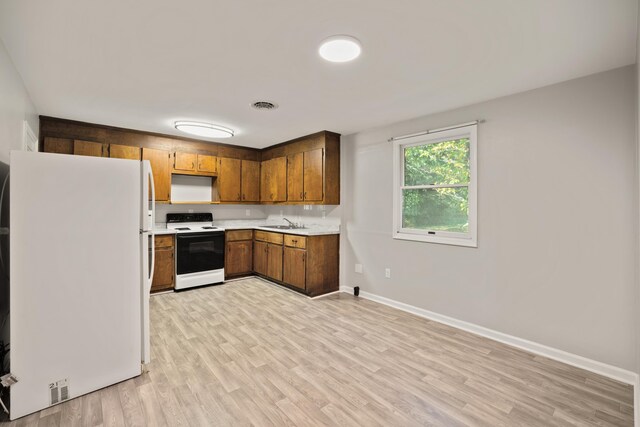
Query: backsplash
(220, 212)
(326, 215)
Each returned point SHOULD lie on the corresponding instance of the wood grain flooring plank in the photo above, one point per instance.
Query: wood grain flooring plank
(250, 353)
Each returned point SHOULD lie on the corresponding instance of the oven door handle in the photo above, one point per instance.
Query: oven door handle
(186, 236)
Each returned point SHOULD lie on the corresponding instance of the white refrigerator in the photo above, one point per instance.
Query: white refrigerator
(81, 263)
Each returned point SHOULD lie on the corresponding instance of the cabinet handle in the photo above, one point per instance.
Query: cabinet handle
(301, 196)
(244, 197)
(305, 194)
(238, 196)
(193, 165)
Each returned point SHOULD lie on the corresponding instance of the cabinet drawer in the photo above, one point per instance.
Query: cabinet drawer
(295, 241)
(265, 236)
(164, 241)
(239, 235)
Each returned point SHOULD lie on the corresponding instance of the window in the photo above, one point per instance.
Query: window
(435, 187)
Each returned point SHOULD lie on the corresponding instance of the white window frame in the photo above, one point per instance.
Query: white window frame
(29, 139)
(470, 238)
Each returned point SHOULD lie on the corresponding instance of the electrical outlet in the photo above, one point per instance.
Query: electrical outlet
(387, 273)
(247, 212)
(359, 268)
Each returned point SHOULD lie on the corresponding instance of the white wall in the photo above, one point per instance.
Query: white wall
(15, 107)
(556, 255)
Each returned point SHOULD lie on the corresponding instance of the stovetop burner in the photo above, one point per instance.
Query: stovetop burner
(209, 227)
(183, 228)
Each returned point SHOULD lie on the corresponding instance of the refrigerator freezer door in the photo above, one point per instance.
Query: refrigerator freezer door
(75, 275)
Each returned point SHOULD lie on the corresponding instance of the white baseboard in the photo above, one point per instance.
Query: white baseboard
(594, 366)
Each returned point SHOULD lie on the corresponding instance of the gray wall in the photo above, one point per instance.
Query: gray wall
(15, 106)
(557, 221)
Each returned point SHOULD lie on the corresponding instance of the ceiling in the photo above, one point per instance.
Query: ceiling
(143, 64)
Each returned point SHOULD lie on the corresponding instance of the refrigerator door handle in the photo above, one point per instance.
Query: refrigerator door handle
(153, 222)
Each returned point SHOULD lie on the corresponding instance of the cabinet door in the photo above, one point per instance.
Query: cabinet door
(250, 181)
(184, 161)
(239, 258)
(294, 177)
(260, 256)
(279, 179)
(164, 269)
(206, 163)
(124, 152)
(295, 267)
(87, 148)
(313, 176)
(274, 266)
(159, 160)
(58, 145)
(229, 179)
(265, 181)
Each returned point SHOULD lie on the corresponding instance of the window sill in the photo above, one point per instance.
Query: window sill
(454, 241)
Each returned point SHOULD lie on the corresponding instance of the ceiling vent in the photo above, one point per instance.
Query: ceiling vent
(264, 105)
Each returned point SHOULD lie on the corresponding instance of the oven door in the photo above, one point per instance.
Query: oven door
(199, 252)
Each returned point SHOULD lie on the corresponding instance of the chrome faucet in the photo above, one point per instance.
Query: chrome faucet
(293, 225)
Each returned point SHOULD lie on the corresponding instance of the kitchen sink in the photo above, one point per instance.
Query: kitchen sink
(283, 227)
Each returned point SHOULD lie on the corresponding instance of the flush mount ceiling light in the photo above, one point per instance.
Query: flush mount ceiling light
(340, 48)
(206, 130)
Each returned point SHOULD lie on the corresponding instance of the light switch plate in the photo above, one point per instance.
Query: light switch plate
(387, 273)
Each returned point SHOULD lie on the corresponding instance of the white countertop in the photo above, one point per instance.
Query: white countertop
(309, 230)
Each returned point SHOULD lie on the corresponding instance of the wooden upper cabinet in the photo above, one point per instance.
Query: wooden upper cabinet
(58, 145)
(184, 161)
(207, 163)
(250, 181)
(87, 148)
(229, 179)
(313, 175)
(194, 164)
(273, 180)
(161, 169)
(295, 188)
(124, 152)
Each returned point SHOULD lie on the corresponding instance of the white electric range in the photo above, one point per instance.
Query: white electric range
(199, 249)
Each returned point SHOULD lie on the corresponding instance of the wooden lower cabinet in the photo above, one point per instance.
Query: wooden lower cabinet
(295, 269)
(238, 259)
(164, 273)
(274, 262)
(260, 256)
(308, 264)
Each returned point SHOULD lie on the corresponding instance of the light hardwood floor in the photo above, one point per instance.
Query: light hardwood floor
(252, 353)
